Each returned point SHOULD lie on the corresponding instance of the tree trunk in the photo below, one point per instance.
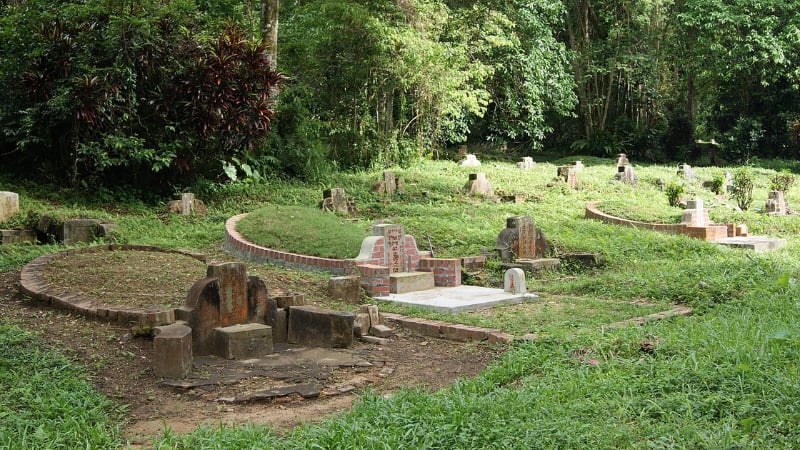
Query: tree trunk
(269, 28)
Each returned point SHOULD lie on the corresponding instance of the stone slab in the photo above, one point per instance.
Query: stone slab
(172, 351)
(458, 299)
(319, 327)
(17, 237)
(402, 282)
(9, 205)
(755, 243)
(243, 341)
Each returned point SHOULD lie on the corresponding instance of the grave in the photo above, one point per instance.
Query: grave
(17, 237)
(522, 245)
(345, 288)
(776, 204)
(578, 165)
(80, 230)
(390, 185)
(478, 184)
(187, 205)
(458, 299)
(686, 171)
(469, 160)
(9, 205)
(333, 199)
(622, 161)
(514, 281)
(626, 174)
(695, 215)
(570, 175)
(527, 163)
(755, 243)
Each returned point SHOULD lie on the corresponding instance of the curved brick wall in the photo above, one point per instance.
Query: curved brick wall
(33, 283)
(707, 233)
(237, 246)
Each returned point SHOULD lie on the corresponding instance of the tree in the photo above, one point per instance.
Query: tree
(269, 27)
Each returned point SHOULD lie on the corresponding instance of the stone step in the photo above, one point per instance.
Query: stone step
(402, 282)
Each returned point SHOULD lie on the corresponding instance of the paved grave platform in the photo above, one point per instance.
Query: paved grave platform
(458, 299)
(755, 243)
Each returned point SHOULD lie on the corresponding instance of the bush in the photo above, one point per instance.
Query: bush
(718, 183)
(674, 192)
(743, 188)
(781, 181)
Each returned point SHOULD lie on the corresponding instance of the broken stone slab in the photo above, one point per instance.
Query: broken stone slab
(319, 327)
(9, 205)
(381, 331)
(306, 390)
(361, 324)
(80, 230)
(288, 300)
(243, 341)
(172, 351)
(280, 326)
(375, 340)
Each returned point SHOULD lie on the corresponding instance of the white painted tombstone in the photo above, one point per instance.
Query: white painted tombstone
(470, 160)
(686, 171)
(527, 163)
(514, 281)
(478, 184)
(695, 214)
(9, 205)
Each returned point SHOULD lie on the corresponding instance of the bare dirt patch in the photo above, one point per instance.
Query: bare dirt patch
(120, 366)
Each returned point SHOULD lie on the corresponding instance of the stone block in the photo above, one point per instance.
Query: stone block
(381, 331)
(280, 326)
(9, 205)
(243, 341)
(172, 351)
(374, 315)
(17, 237)
(534, 265)
(514, 281)
(345, 288)
(478, 184)
(288, 300)
(402, 282)
(318, 327)
(201, 312)
(260, 308)
(79, 230)
(361, 324)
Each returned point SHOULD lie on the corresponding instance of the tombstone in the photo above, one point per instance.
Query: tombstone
(578, 165)
(570, 175)
(462, 150)
(470, 160)
(390, 182)
(318, 327)
(345, 288)
(333, 199)
(517, 240)
(686, 171)
(478, 184)
(394, 247)
(622, 161)
(514, 281)
(626, 174)
(728, 182)
(172, 351)
(695, 215)
(187, 205)
(9, 205)
(260, 308)
(202, 313)
(80, 230)
(776, 204)
(527, 163)
(232, 278)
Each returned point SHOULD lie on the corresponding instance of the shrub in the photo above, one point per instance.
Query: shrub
(674, 192)
(718, 183)
(743, 188)
(781, 181)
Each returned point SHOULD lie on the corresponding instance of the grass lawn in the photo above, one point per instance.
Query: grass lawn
(725, 377)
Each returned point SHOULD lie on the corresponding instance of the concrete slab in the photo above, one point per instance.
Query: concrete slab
(458, 299)
(755, 243)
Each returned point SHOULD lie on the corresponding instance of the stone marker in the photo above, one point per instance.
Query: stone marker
(570, 175)
(390, 182)
(172, 351)
(626, 174)
(260, 308)
(578, 165)
(394, 246)
(232, 278)
(517, 240)
(527, 163)
(374, 315)
(280, 326)
(695, 215)
(381, 331)
(478, 184)
(776, 204)
(686, 171)
(187, 205)
(9, 205)
(345, 288)
(318, 327)
(79, 230)
(622, 161)
(514, 281)
(470, 161)
(17, 237)
(290, 299)
(201, 312)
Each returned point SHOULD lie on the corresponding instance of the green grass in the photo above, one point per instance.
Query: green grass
(304, 230)
(726, 377)
(47, 402)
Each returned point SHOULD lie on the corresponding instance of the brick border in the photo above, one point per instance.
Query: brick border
(236, 245)
(33, 283)
(707, 233)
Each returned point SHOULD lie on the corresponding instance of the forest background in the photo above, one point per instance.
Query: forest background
(160, 95)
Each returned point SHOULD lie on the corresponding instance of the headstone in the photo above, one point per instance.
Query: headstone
(470, 160)
(728, 182)
(686, 171)
(17, 237)
(695, 214)
(626, 174)
(478, 184)
(527, 163)
(361, 324)
(570, 175)
(9, 205)
(394, 246)
(232, 278)
(578, 165)
(462, 150)
(172, 351)
(79, 230)
(259, 306)
(514, 281)
(345, 288)
(318, 327)
(518, 239)
(622, 161)
(187, 205)
(280, 326)
(776, 204)
(390, 182)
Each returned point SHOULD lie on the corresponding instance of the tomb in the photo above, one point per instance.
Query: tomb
(345, 288)
(527, 163)
(9, 205)
(686, 171)
(776, 204)
(390, 185)
(478, 184)
(187, 205)
(469, 160)
(695, 215)
(333, 199)
(522, 245)
(570, 175)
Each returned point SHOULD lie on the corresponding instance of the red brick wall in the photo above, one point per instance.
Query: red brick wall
(446, 271)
